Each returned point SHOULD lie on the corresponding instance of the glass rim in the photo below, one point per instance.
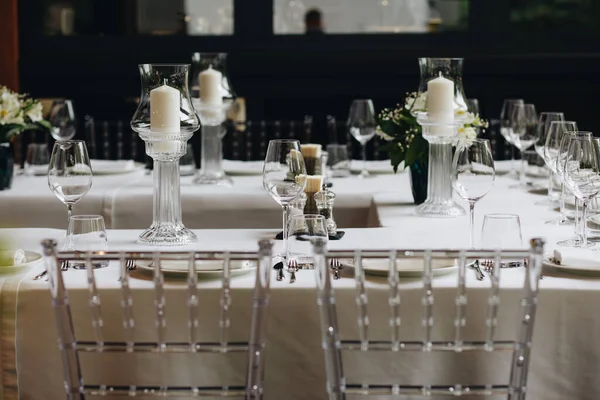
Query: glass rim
(70, 141)
(580, 134)
(442, 58)
(552, 113)
(164, 65)
(86, 217)
(519, 100)
(502, 216)
(284, 141)
(565, 122)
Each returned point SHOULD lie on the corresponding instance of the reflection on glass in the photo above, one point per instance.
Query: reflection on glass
(359, 16)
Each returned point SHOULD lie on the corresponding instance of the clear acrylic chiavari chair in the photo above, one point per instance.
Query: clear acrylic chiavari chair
(73, 349)
(456, 338)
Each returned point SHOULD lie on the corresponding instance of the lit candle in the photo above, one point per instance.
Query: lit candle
(440, 99)
(164, 109)
(210, 86)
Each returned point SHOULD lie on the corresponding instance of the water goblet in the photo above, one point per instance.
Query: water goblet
(69, 172)
(543, 128)
(284, 178)
(362, 124)
(87, 233)
(506, 128)
(501, 231)
(581, 174)
(63, 121)
(556, 132)
(523, 131)
(473, 175)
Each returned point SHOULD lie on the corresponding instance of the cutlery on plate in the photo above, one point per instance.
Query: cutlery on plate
(478, 272)
(63, 266)
(336, 266)
(279, 268)
(130, 266)
(292, 269)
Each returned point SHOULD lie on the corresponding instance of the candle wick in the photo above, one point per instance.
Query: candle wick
(165, 81)
(441, 76)
(209, 66)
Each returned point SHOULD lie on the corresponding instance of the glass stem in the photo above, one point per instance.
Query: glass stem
(69, 213)
(512, 159)
(364, 157)
(563, 214)
(212, 152)
(286, 248)
(522, 170)
(550, 188)
(167, 194)
(472, 224)
(584, 206)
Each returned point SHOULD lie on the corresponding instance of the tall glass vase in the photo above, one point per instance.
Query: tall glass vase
(165, 120)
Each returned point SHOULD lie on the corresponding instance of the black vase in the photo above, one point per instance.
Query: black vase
(418, 181)
(7, 163)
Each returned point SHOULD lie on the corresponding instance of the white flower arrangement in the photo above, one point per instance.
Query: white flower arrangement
(18, 113)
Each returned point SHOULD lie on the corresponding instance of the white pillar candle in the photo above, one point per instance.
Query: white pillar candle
(164, 109)
(210, 86)
(440, 99)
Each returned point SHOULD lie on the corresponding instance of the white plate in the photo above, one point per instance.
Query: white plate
(204, 269)
(375, 167)
(407, 267)
(536, 172)
(30, 256)
(243, 168)
(574, 264)
(115, 167)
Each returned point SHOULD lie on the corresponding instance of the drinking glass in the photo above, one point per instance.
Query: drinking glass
(543, 127)
(582, 175)
(473, 175)
(556, 132)
(284, 178)
(69, 172)
(63, 121)
(506, 127)
(501, 231)
(473, 106)
(302, 229)
(362, 125)
(37, 159)
(523, 131)
(338, 160)
(87, 233)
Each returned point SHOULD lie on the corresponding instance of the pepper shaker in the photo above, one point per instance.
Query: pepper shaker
(325, 199)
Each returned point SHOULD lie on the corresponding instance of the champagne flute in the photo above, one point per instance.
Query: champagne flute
(362, 125)
(582, 175)
(284, 178)
(546, 119)
(63, 121)
(473, 175)
(523, 130)
(506, 127)
(69, 172)
(556, 133)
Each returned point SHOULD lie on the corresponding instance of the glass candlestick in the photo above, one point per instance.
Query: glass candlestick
(211, 158)
(441, 136)
(165, 120)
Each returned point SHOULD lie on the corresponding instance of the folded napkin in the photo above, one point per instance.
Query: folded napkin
(11, 258)
(113, 164)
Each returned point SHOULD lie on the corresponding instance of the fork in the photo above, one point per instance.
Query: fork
(130, 265)
(336, 266)
(292, 269)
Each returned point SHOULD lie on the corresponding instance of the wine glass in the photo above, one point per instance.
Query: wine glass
(63, 121)
(362, 125)
(284, 178)
(473, 175)
(69, 172)
(506, 127)
(556, 132)
(543, 127)
(523, 131)
(582, 175)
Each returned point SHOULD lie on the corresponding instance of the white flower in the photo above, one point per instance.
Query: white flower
(469, 118)
(10, 108)
(467, 132)
(35, 112)
(416, 102)
(383, 135)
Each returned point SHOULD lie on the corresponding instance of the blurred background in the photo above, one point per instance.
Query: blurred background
(295, 58)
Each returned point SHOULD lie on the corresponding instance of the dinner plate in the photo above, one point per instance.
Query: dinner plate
(408, 267)
(204, 269)
(375, 167)
(31, 258)
(574, 263)
(243, 168)
(115, 167)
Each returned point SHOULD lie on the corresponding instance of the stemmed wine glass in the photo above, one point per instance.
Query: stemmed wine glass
(63, 121)
(523, 130)
(506, 127)
(284, 177)
(556, 133)
(546, 119)
(582, 175)
(69, 172)
(473, 175)
(362, 125)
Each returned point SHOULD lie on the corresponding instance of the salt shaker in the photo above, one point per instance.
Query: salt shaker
(325, 199)
(297, 205)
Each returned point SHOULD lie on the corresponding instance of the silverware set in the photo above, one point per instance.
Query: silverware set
(64, 266)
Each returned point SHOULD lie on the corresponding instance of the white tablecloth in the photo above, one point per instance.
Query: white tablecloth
(565, 359)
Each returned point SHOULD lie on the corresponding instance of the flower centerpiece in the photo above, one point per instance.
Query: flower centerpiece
(18, 113)
(405, 142)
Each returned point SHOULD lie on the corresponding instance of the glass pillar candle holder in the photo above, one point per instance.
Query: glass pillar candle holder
(211, 156)
(441, 137)
(165, 120)
(449, 68)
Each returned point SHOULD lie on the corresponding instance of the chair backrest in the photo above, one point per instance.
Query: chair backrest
(457, 342)
(71, 346)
